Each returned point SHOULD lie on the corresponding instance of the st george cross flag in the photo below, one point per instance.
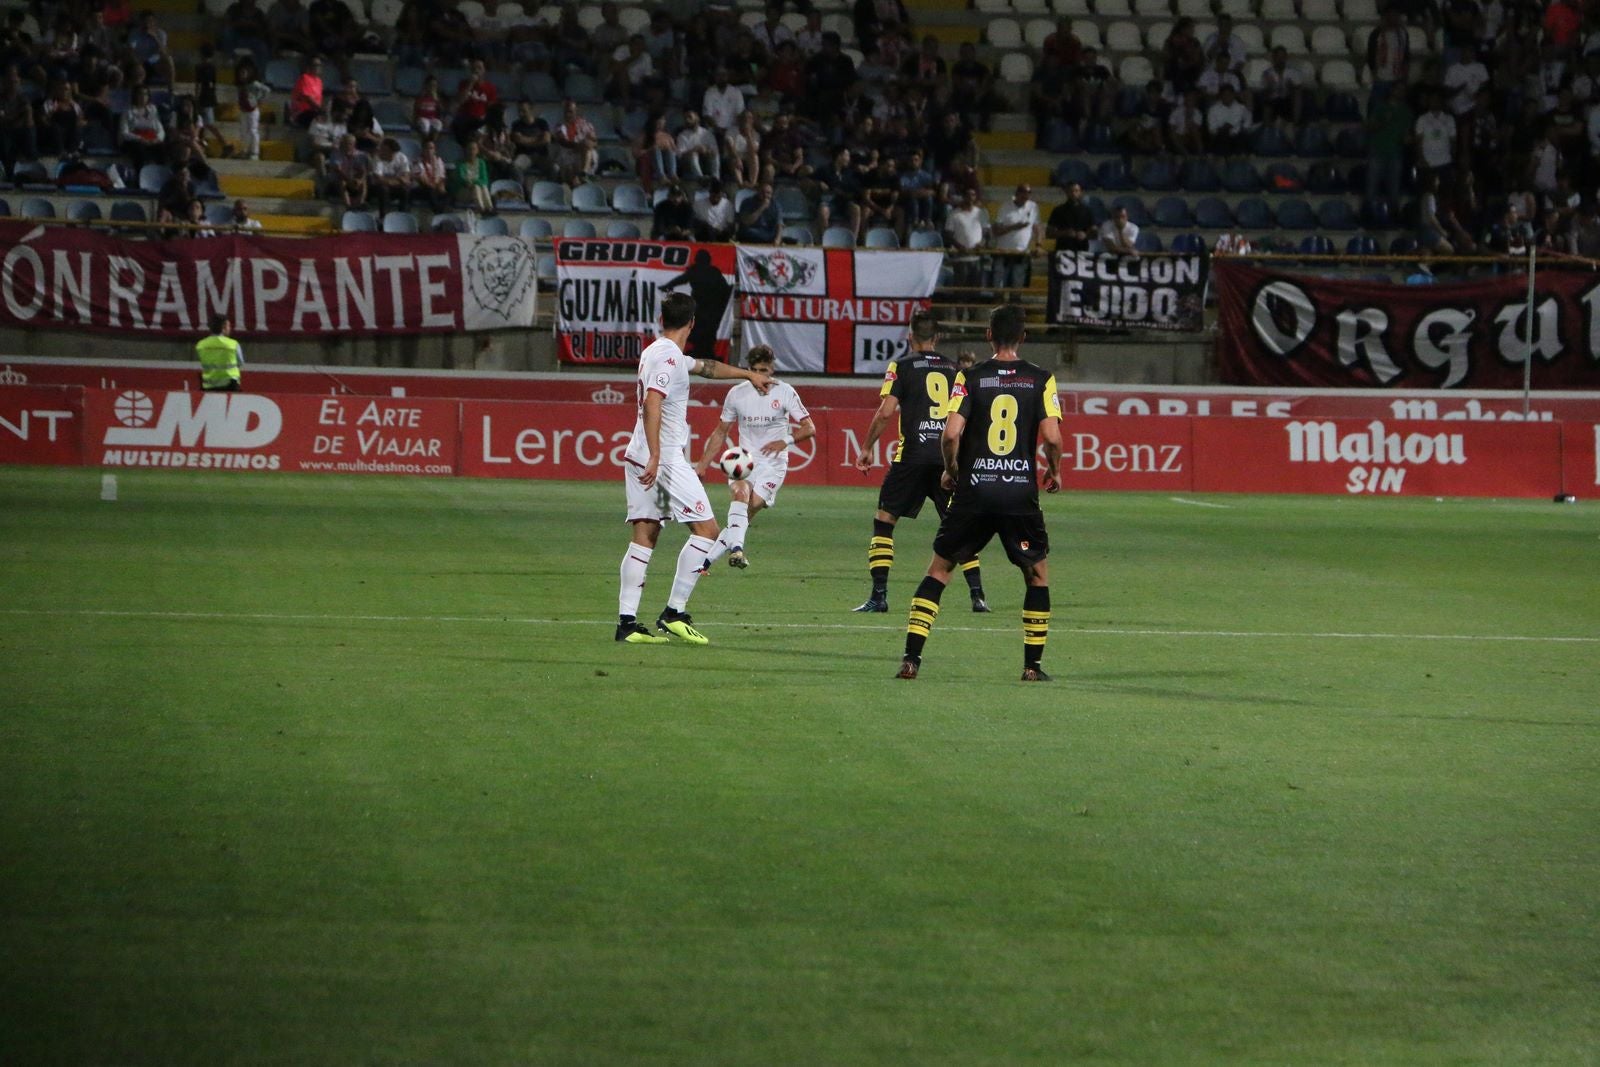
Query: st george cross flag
(833, 310)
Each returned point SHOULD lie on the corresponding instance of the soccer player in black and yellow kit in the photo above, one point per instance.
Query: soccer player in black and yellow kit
(1001, 407)
(917, 388)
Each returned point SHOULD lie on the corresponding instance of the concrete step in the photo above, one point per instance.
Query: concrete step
(261, 168)
(251, 187)
(992, 142)
(952, 35)
(302, 225)
(922, 7)
(1002, 176)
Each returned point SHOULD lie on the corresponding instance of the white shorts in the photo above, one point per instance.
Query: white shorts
(767, 479)
(677, 496)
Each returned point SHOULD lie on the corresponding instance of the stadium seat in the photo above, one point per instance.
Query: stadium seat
(539, 86)
(1296, 214)
(1253, 214)
(1031, 7)
(451, 222)
(577, 228)
(1004, 33)
(507, 195)
(1173, 213)
(622, 229)
(1337, 215)
(1351, 142)
(281, 74)
(1157, 175)
(83, 211)
(450, 79)
(1199, 10)
(1060, 137)
(1112, 175)
(1152, 9)
(1282, 178)
(590, 199)
(1137, 71)
(1199, 176)
(1291, 39)
(1312, 140)
(1319, 11)
(1240, 176)
(1316, 244)
(923, 239)
(123, 211)
(36, 207)
(550, 197)
(838, 237)
(491, 226)
(536, 229)
(547, 268)
(1404, 245)
(408, 81)
(97, 140)
(1098, 138)
(1340, 105)
(880, 237)
(1249, 35)
(1376, 214)
(1016, 68)
(1361, 245)
(358, 222)
(792, 204)
(1138, 214)
(449, 150)
(1088, 34)
(386, 13)
(1188, 244)
(1097, 209)
(1155, 36)
(1147, 241)
(1360, 10)
(400, 222)
(1211, 213)
(1124, 37)
(372, 76)
(1329, 42)
(1103, 8)
(798, 235)
(583, 88)
(1072, 170)
(630, 199)
(1270, 141)
(219, 214)
(1278, 11)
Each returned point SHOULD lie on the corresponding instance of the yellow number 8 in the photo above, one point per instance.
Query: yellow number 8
(1002, 425)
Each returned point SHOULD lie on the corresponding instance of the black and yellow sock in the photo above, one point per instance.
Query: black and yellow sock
(880, 555)
(924, 609)
(974, 576)
(1035, 624)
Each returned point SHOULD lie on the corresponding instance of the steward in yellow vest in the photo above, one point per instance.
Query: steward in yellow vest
(220, 358)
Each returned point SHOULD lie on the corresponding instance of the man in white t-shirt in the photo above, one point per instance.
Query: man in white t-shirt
(661, 483)
(965, 227)
(1464, 78)
(1435, 130)
(722, 103)
(1118, 235)
(1015, 231)
(766, 432)
(698, 153)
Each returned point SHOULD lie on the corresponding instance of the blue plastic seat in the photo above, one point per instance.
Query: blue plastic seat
(36, 207)
(1188, 244)
(281, 74)
(1098, 138)
(1157, 175)
(1351, 142)
(358, 222)
(507, 194)
(400, 222)
(1212, 213)
(1173, 212)
(1337, 215)
(536, 229)
(1240, 176)
(83, 211)
(1324, 178)
(622, 229)
(1073, 170)
(793, 206)
(925, 239)
(1282, 178)
(1377, 214)
(590, 199)
(1253, 214)
(577, 228)
(1270, 141)
(1199, 176)
(1361, 245)
(798, 235)
(880, 237)
(550, 196)
(1404, 245)
(1138, 214)
(125, 211)
(1112, 174)
(1061, 137)
(1312, 140)
(539, 86)
(838, 237)
(1315, 244)
(1147, 241)
(491, 226)
(1296, 214)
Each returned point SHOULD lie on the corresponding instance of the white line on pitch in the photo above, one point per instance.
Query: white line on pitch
(1102, 631)
(1197, 503)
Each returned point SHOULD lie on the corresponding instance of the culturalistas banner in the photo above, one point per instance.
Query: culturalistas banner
(1153, 291)
(1281, 329)
(55, 277)
(608, 297)
(838, 311)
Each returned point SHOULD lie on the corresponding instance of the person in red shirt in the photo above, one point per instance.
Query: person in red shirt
(476, 96)
(1562, 21)
(1064, 45)
(306, 99)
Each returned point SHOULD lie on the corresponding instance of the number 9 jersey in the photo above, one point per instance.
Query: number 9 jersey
(1004, 402)
(920, 382)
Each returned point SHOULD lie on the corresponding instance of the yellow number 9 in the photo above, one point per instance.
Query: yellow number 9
(938, 395)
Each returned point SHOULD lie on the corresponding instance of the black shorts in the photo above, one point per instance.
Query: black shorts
(907, 485)
(967, 529)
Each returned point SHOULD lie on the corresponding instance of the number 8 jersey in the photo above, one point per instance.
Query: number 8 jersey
(1004, 402)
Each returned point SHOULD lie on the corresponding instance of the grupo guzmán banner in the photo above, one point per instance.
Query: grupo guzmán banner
(1150, 291)
(833, 310)
(1281, 329)
(609, 292)
(64, 278)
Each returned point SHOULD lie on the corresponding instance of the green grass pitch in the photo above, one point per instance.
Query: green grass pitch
(315, 770)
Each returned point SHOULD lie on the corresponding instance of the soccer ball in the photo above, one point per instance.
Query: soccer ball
(736, 462)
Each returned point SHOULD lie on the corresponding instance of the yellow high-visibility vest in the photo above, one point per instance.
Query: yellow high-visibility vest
(219, 360)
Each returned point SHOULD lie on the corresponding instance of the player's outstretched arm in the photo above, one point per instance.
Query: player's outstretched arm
(1050, 438)
(880, 418)
(710, 368)
(713, 446)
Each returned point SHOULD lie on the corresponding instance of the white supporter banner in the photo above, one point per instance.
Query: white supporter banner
(834, 311)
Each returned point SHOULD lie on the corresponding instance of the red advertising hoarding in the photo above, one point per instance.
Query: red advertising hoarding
(1580, 458)
(1148, 454)
(41, 425)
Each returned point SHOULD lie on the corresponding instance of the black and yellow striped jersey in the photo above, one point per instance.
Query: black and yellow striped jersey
(1004, 402)
(921, 382)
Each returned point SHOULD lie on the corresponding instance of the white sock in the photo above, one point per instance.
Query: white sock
(635, 562)
(690, 560)
(733, 534)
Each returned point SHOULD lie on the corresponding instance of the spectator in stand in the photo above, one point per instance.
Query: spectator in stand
(494, 144)
(1462, 80)
(1430, 227)
(1146, 132)
(1063, 45)
(917, 194)
(1050, 98)
(1233, 243)
(205, 88)
(1566, 127)
(333, 31)
(714, 215)
(187, 128)
(606, 38)
(1584, 239)
(633, 74)
(1544, 162)
(244, 25)
(18, 135)
(828, 74)
(530, 137)
(786, 76)
(451, 38)
(808, 41)
(1281, 94)
(972, 91)
(673, 218)
(1226, 44)
(431, 178)
(63, 121)
(1563, 21)
(1435, 134)
(952, 140)
(1016, 235)
(149, 46)
(1183, 60)
(760, 222)
(1388, 55)
(722, 103)
(770, 32)
(880, 201)
(576, 145)
(1389, 125)
(391, 177)
(1215, 77)
(1071, 223)
(1228, 124)
(1186, 125)
(352, 170)
(665, 49)
(743, 145)
(961, 179)
(175, 196)
(926, 69)
(1096, 90)
(1118, 235)
(288, 27)
(655, 153)
(324, 135)
(473, 101)
(241, 217)
(784, 154)
(875, 17)
(140, 134)
(698, 153)
(840, 189)
(197, 221)
(365, 126)
(966, 231)
(469, 180)
(305, 99)
(427, 110)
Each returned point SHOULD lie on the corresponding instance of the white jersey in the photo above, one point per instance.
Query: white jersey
(664, 369)
(763, 419)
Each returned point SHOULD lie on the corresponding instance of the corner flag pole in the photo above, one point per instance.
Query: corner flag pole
(1527, 362)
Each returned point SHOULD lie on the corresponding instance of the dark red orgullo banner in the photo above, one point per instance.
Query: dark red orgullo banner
(1287, 329)
(65, 278)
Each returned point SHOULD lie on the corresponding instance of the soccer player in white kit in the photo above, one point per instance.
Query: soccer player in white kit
(766, 431)
(662, 484)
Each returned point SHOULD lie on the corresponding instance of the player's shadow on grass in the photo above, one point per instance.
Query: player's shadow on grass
(1126, 682)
